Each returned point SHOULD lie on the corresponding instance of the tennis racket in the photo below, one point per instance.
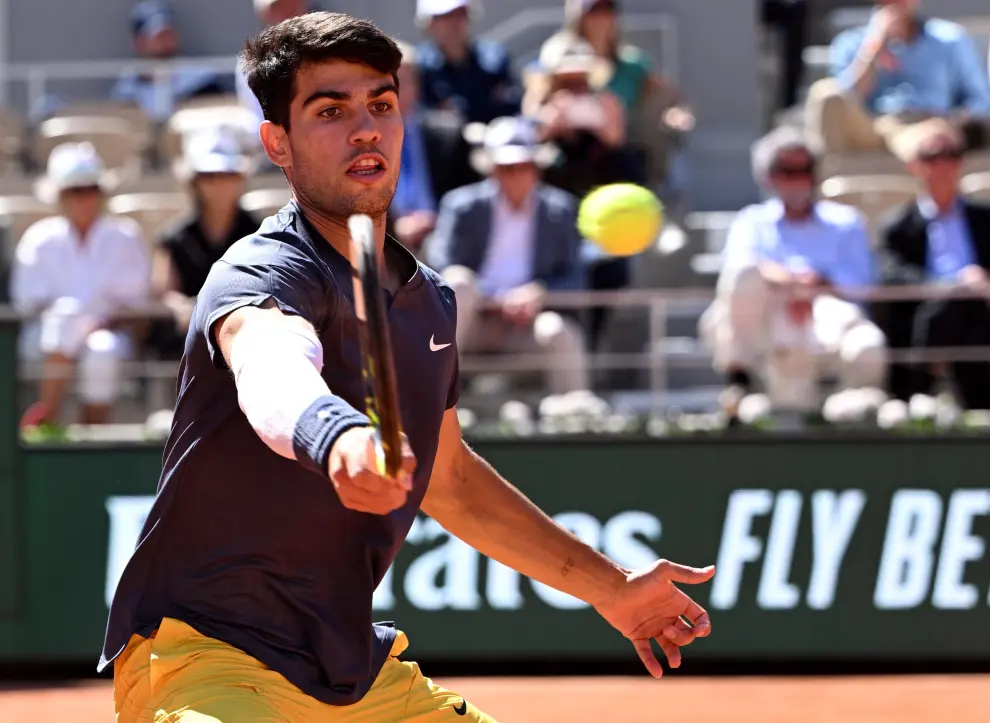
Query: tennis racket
(381, 398)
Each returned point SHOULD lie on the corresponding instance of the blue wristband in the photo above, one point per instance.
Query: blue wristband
(319, 427)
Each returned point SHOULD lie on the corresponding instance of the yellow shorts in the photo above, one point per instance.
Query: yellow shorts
(180, 676)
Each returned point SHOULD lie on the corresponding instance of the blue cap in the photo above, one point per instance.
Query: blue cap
(150, 17)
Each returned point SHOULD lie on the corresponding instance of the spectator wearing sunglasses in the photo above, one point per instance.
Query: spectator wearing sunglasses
(941, 238)
(779, 311)
(899, 70)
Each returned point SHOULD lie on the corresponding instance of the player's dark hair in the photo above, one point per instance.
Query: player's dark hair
(271, 59)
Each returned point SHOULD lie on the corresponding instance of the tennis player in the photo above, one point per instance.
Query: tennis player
(248, 598)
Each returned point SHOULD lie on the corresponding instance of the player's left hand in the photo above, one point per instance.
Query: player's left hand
(648, 606)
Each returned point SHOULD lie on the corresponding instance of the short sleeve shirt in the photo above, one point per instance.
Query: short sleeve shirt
(249, 547)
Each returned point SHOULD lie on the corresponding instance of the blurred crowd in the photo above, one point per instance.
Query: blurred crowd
(141, 193)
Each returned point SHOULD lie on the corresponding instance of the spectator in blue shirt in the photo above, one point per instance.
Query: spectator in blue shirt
(472, 77)
(941, 238)
(435, 160)
(900, 69)
(779, 309)
(155, 38)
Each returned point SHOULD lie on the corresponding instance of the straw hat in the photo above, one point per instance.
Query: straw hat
(510, 141)
(214, 149)
(567, 54)
(73, 165)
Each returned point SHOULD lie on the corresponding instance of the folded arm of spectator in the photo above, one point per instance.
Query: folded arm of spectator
(741, 250)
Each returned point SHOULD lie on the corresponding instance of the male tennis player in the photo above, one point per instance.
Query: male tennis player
(248, 598)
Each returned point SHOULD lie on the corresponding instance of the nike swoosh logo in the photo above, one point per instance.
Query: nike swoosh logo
(462, 708)
(437, 347)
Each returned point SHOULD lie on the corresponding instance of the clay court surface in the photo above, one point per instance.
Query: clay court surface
(928, 699)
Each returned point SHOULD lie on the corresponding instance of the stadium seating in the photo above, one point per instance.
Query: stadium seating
(12, 134)
(154, 212)
(194, 117)
(115, 139)
(141, 125)
(977, 185)
(266, 201)
(872, 195)
(17, 213)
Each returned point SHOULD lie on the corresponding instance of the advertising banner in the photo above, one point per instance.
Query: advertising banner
(825, 549)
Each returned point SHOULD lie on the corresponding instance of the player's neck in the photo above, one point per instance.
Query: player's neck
(336, 233)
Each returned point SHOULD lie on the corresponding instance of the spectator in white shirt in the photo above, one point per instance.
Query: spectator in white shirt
(779, 309)
(73, 274)
(502, 244)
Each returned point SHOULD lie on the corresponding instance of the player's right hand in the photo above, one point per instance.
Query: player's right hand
(353, 468)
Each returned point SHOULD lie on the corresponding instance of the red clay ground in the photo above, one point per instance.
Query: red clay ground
(925, 699)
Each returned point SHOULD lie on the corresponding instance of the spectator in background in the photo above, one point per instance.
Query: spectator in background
(435, 160)
(472, 77)
(215, 168)
(779, 296)
(584, 120)
(897, 71)
(73, 275)
(502, 244)
(155, 38)
(269, 12)
(942, 238)
(790, 19)
(655, 116)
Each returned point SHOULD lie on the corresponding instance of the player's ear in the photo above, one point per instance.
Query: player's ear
(276, 143)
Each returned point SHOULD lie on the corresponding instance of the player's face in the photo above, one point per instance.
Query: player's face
(345, 139)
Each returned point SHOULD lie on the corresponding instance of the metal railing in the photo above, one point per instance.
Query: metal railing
(37, 76)
(660, 305)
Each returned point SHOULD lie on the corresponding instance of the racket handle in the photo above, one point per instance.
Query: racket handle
(380, 454)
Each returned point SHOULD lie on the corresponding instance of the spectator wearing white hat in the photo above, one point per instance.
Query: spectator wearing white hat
(156, 38)
(215, 168)
(73, 274)
(582, 117)
(656, 116)
(502, 244)
(269, 12)
(459, 73)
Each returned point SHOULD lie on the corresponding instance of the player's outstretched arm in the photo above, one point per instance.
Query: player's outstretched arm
(473, 502)
(276, 359)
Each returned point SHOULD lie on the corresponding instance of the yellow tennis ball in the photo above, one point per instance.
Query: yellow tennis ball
(622, 218)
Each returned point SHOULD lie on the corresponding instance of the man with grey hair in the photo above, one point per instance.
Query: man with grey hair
(779, 310)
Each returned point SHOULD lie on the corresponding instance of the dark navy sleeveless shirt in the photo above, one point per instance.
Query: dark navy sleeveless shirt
(249, 547)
